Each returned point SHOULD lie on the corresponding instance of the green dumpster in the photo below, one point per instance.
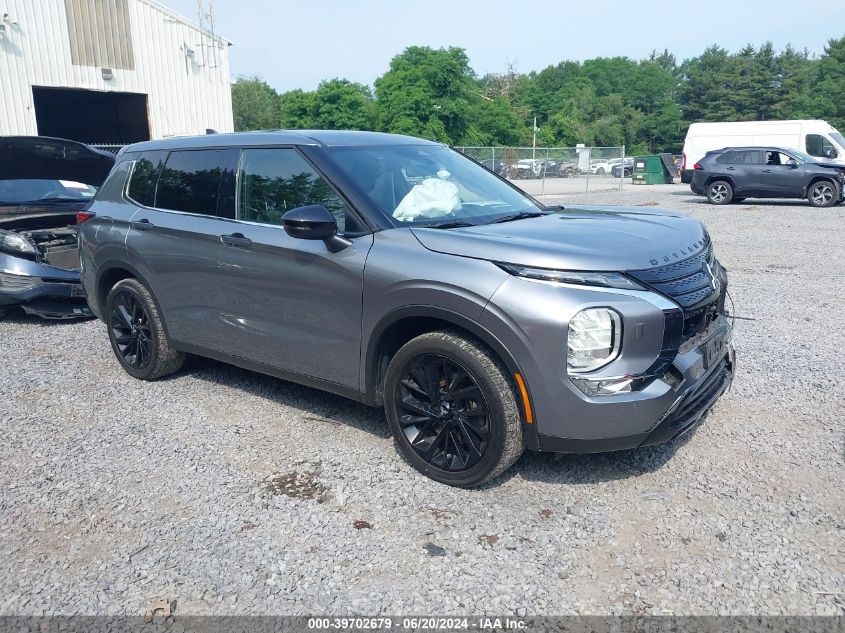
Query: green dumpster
(651, 170)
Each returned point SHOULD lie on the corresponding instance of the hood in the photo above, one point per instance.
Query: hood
(839, 166)
(588, 237)
(41, 157)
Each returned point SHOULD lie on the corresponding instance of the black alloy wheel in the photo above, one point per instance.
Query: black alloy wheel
(442, 412)
(131, 331)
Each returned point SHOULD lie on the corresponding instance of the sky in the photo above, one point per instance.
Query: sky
(296, 44)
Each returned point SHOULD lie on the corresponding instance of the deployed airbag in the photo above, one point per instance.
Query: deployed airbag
(432, 198)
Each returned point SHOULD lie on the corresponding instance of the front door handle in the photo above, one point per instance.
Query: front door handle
(767, 171)
(731, 168)
(142, 225)
(235, 239)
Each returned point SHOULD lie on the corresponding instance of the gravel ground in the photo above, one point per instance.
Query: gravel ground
(235, 493)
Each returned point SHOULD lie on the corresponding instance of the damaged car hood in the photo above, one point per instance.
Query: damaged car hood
(589, 238)
(40, 157)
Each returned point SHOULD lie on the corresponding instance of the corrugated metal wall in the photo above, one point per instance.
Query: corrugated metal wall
(184, 72)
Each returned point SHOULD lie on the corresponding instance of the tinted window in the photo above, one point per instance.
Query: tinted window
(190, 181)
(739, 158)
(274, 181)
(142, 183)
(818, 145)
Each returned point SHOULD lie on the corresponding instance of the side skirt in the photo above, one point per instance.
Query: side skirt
(261, 368)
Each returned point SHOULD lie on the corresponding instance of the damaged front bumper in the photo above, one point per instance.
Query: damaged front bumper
(41, 289)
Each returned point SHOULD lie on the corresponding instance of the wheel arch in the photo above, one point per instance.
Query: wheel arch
(112, 272)
(820, 177)
(399, 326)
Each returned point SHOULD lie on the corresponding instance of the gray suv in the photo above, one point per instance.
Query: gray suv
(399, 273)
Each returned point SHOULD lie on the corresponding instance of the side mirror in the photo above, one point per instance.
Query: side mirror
(792, 162)
(831, 152)
(314, 222)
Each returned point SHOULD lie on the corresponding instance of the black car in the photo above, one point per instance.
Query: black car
(497, 166)
(616, 170)
(735, 173)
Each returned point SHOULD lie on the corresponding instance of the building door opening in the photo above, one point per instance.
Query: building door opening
(91, 116)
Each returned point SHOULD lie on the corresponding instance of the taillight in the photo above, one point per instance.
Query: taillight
(83, 215)
(683, 162)
(697, 166)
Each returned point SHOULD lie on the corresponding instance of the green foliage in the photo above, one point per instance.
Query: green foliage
(255, 104)
(646, 105)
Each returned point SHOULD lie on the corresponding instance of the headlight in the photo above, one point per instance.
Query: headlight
(595, 338)
(14, 243)
(579, 277)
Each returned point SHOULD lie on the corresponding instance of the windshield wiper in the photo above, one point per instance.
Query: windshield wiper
(522, 215)
(448, 225)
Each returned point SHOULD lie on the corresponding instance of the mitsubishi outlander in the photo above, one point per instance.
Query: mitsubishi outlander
(397, 272)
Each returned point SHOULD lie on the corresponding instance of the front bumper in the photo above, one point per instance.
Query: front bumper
(42, 290)
(690, 405)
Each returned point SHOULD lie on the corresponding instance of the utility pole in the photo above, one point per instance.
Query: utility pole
(534, 144)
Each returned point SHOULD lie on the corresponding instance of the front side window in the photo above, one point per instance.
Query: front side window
(819, 146)
(190, 181)
(273, 181)
(777, 158)
(429, 185)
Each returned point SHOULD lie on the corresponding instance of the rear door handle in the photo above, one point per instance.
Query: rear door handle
(235, 239)
(142, 225)
(730, 168)
(767, 171)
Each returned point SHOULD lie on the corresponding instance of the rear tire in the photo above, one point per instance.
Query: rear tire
(452, 409)
(823, 194)
(137, 333)
(720, 192)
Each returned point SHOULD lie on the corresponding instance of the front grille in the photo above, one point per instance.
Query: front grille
(697, 403)
(697, 284)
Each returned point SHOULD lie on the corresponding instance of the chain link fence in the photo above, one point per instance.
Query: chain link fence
(549, 171)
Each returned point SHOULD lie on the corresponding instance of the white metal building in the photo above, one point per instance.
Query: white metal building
(109, 71)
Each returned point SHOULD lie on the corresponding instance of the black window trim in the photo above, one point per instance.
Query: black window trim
(131, 200)
(350, 207)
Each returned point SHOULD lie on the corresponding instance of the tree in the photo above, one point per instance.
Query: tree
(296, 110)
(255, 104)
(830, 84)
(339, 104)
(427, 92)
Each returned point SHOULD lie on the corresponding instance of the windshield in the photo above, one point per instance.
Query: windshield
(430, 185)
(36, 190)
(837, 136)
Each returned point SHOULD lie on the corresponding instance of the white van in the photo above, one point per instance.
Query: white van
(816, 138)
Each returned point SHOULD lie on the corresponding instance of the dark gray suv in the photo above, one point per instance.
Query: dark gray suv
(736, 173)
(397, 272)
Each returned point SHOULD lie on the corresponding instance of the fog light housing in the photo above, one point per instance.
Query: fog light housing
(605, 386)
(595, 339)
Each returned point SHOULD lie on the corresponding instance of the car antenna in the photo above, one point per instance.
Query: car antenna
(209, 130)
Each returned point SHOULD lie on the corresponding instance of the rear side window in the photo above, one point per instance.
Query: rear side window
(739, 158)
(142, 182)
(276, 180)
(196, 181)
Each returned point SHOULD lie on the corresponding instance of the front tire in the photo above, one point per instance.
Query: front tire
(137, 334)
(452, 409)
(720, 192)
(823, 194)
